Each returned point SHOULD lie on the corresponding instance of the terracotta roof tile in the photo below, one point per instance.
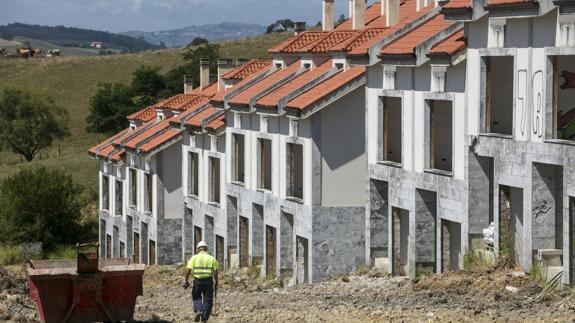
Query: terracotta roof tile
(159, 140)
(497, 3)
(145, 114)
(196, 121)
(246, 70)
(271, 100)
(372, 13)
(451, 44)
(219, 97)
(217, 123)
(177, 119)
(244, 97)
(325, 88)
(329, 40)
(209, 90)
(143, 135)
(457, 4)
(107, 141)
(293, 44)
(405, 45)
(118, 155)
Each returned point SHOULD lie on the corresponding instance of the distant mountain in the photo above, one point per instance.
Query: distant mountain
(75, 37)
(211, 32)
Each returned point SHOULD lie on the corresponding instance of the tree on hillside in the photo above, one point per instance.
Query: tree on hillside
(281, 25)
(192, 56)
(109, 108)
(147, 83)
(54, 220)
(198, 41)
(30, 122)
(340, 20)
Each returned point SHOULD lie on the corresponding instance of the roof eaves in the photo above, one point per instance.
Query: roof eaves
(240, 88)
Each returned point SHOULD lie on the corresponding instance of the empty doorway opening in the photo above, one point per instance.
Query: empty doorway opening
(244, 242)
(302, 270)
(108, 246)
(209, 235)
(400, 238)
(257, 234)
(425, 231)
(220, 249)
(286, 247)
(270, 252)
(511, 225)
(136, 247)
(197, 237)
(152, 252)
(232, 223)
(450, 245)
(378, 223)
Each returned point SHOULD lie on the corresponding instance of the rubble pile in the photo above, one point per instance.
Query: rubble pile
(15, 305)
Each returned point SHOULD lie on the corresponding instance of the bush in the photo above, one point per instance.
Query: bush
(40, 205)
(62, 252)
(11, 255)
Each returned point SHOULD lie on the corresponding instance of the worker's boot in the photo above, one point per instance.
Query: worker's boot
(198, 317)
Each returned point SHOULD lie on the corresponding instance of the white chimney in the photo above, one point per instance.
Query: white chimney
(350, 8)
(382, 5)
(328, 15)
(188, 84)
(224, 65)
(204, 73)
(358, 14)
(392, 12)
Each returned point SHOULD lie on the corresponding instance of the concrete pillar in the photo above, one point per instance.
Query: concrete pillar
(328, 15)
(224, 66)
(358, 14)
(392, 12)
(204, 73)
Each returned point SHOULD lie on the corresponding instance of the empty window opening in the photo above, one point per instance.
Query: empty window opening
(136, 248)
(440, 135)
(133, 187)
(511, 225)
(295, 171)
(220, 250)
(378, 220)
(286, 247)
(391, 127)
(232, 222)
(108, 246)
(257, 234)
(270, 252)
(450, 245)
(193, 174)
(265, 164)
(152, 252)
(149, 190)
(122, 249)
(499, 87)
(400, 240)
(197, 237)
(563, 120)
(238, 167)
(214, 180)
(547, 221)
(105, 193)
(302, 270)
(119, 198)
(425, 231)
(244, 242)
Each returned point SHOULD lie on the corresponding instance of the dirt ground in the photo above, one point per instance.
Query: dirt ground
(368, 297)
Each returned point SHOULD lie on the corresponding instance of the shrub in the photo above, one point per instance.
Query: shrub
(62, 252)
(39, 205)
(11, 255)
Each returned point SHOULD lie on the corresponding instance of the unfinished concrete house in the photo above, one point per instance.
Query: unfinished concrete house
(520, 119)
(415, 116)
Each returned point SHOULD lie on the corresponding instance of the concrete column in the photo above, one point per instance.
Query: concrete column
(204, 73)
(358, 14)
(328, 15)
(392, 12)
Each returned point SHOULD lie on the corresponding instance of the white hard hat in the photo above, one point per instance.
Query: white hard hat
(201, 244)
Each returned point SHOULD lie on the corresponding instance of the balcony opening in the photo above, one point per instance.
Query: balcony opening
(265, 164)
(149, 186)
(563, 92)
(238, 154)
(295, 171)
(193, 174)
(119, 201)
(498, 114)
(105, 193)
(214, 180)
(391, 127)
(439, 135)
(133, 187)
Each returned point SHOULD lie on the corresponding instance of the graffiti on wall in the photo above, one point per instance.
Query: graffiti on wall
(537, 83)
(522, 98)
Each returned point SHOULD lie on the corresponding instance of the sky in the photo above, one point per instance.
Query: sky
(152, 15)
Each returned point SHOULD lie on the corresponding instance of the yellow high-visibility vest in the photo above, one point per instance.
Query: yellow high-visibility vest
(203, 265)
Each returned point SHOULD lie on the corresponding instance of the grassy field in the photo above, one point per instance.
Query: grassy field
(71, 81)
(45, 46)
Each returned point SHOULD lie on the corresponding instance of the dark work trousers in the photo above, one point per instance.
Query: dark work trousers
(203, 289)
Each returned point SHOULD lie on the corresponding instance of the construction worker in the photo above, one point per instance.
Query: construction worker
(204, 268)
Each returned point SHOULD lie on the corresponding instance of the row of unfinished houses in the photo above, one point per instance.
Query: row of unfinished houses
(395, 139)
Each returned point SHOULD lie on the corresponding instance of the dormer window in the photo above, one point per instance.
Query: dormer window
(306, 65)
(339, 66)
(278, 65)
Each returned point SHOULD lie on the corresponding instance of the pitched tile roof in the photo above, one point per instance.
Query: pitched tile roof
(106, 149)
(457, 4)
(107, 141)
(143, 135)
(146, 114)
(271, 100)
(219, 97)
(217, 123)
(372, 14)
(209, 90)
(450, 45)
(180, 102)
(177, 119)
(167, 135)
(329, 40)
(196, 121)
(405, 45)
(325, 88)
(294, 44)
(246, 70)
(244, 97)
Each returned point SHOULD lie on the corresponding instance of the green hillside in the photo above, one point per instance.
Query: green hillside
(71, 81)
(45, 46)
